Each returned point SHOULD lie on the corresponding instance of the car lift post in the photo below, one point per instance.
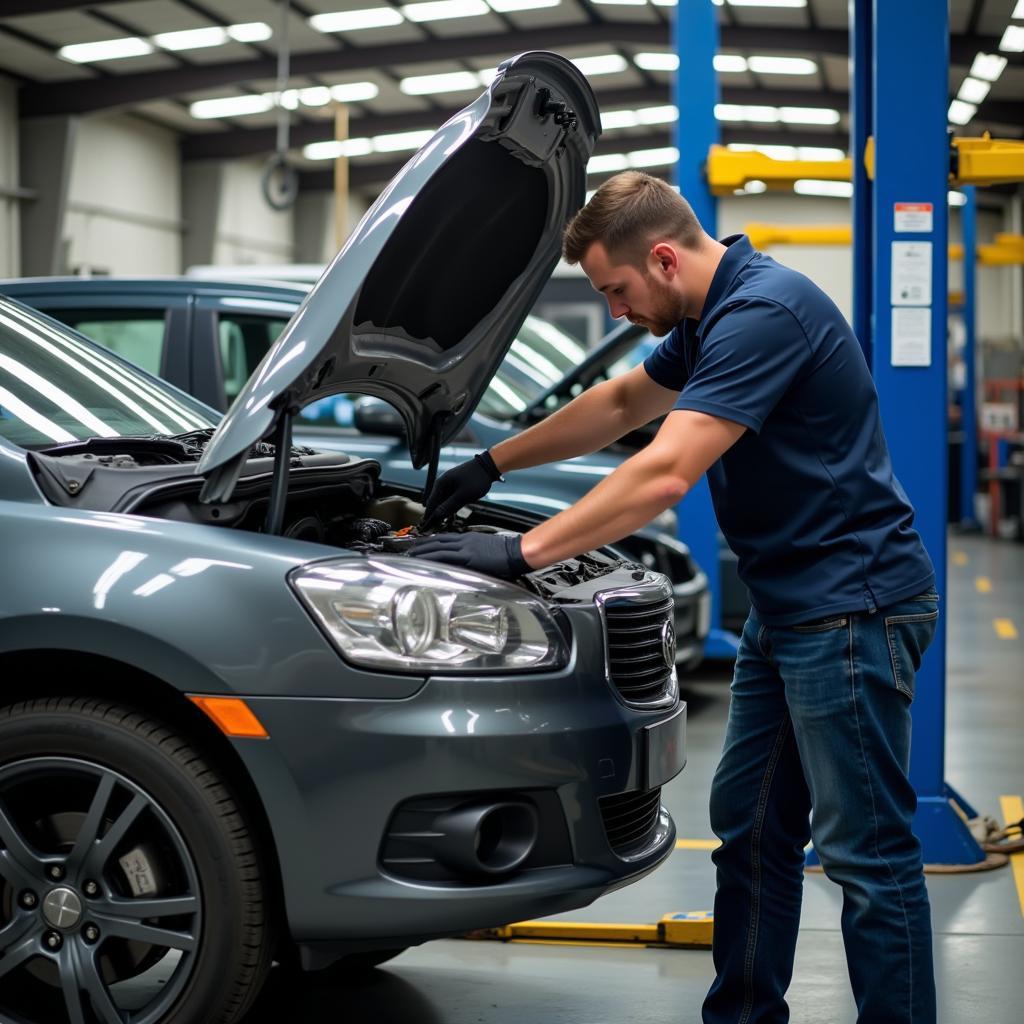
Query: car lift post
(696, 93)
(909, 89)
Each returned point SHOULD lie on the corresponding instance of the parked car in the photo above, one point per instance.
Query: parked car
(208, 336)
(237, 718)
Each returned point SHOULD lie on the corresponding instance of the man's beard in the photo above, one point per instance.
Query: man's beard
(665, 309)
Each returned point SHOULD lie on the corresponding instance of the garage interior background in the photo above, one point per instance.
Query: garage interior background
(116, 166)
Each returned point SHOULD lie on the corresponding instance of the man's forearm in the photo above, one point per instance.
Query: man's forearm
(590, 422)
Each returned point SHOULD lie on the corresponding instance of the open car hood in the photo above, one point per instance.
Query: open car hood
(425, 298)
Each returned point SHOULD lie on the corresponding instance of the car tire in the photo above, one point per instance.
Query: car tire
(103, 806)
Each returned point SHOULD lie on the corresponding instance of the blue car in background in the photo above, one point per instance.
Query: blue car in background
(206, 336)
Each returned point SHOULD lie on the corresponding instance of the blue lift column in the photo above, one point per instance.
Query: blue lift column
(968, 410)
(696, 93)
(910, 88)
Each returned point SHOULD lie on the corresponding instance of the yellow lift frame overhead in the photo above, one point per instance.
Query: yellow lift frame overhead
(972, 161)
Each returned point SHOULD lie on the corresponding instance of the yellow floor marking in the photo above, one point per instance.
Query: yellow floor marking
(697, 844)
(984, 585)
(1005, 629)
(959, 557)
(570, 942)
(1013, 810)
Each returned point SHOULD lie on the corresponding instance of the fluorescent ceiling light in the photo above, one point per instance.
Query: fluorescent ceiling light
(775, 152)
(752, 188)
(425, 85)
(621, 3)
(988, 66)
(232, 106)
(973, 90)
(443, 10)
(653, 157)
(607, 162)
(1018, 11)
(767, 3)
(336, 147)
(813, 187)
(956, 198)
(734, 112)
(820, 153)
(351, 92)
(782, 65)
(487, 76)
(504, 6)
(671, 3)
(314, 96)
(808, 115)
(1013, 39)
(658, 115)
(192, 38)
(960, 112)
(250, 32)
(729, 62)
(354, 21)
(657, 61)
(605, 64)
(401, 140)
(618, 119)
(107, 49)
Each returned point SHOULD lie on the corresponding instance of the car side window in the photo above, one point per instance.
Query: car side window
(136, 335)
(244, 339)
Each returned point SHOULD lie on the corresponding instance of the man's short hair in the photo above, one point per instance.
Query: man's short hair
(628, 214)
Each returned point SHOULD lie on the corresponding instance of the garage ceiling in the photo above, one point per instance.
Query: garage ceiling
(625, 44)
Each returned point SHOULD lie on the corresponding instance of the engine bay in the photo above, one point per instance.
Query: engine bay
(333, 499)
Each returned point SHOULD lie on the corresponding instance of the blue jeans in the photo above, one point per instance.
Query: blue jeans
(818, 747)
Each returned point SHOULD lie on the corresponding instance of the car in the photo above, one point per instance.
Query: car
(239, 720)
(207, 336)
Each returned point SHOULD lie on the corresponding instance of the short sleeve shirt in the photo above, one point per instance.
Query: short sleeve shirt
(807, 498)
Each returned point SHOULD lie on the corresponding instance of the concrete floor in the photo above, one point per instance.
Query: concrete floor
(978, 919)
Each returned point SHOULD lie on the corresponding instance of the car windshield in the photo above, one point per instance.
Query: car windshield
(57, 387)
(541, 355)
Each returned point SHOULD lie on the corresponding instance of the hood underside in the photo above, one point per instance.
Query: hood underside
(425, 298)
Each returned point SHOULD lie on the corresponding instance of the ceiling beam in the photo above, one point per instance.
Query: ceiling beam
(120, 89)
(16, 8)
(240, 142)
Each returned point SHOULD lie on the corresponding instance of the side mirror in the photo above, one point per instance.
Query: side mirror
(372, 416)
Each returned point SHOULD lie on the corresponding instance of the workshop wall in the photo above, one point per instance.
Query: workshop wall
(9, 231)
(993, 284)
(124, 203)
(248, 230)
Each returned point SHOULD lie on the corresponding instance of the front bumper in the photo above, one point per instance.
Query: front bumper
(334, 771)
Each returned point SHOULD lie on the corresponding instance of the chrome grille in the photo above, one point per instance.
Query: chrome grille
(636, 628)
(630, 819)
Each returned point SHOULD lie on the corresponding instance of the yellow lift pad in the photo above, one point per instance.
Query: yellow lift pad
(690, 930)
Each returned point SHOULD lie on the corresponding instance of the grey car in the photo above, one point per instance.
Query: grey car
(207, 336)
(237, 721)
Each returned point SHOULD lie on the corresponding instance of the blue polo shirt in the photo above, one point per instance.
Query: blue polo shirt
(807, 497)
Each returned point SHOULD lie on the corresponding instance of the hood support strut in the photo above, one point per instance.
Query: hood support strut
(437, 428)
(282, 463)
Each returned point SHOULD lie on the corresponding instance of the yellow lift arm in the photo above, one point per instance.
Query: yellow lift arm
(975, 161)
(1006, 250)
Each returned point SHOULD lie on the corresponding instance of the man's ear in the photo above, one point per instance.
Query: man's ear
(666, 257)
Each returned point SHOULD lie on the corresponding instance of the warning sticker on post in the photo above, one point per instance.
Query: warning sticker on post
(912, 217)
(911, 274)
(911, 336)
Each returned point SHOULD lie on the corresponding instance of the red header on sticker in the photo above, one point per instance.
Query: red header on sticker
(913, 207)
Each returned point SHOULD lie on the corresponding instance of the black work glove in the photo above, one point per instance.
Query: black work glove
(466, 482)
(494, 554)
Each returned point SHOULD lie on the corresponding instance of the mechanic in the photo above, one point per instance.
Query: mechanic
(767, 391)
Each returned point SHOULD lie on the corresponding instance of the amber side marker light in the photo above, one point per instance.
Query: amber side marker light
(232, 716)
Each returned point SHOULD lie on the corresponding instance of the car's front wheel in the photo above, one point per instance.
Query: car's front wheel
(130, 887)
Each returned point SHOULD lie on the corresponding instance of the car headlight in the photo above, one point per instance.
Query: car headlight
(395, 614)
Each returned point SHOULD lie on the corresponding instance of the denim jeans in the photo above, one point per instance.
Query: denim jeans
(818, 747)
